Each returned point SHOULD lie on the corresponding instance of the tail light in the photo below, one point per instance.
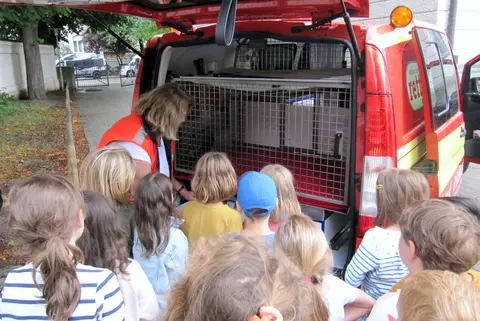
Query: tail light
(379, 145)
(372, 165)
(379, 134)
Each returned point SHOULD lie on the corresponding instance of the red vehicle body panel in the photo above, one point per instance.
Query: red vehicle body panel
(205, 11)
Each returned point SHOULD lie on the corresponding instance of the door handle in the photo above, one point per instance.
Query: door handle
(336, 146)
(463, 133)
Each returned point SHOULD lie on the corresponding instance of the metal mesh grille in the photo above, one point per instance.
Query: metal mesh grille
(272, 54)
(303, 125)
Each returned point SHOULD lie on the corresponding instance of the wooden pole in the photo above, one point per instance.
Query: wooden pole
(71, 153)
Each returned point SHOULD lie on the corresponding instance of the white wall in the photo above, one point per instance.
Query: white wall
(13, 77)
(467, 31)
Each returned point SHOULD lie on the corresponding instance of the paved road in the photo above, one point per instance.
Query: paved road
(99, 110)
(471, 182)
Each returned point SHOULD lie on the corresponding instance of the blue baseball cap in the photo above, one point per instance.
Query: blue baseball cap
(256, 191)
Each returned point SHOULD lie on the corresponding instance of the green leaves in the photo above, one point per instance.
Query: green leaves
(132, 29)
(135, 31)
(13, 18)
(25, 15)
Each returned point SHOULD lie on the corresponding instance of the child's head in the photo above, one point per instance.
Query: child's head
(232, 279)
(437, 235)
(468, 204)
(396, 190)
(104, 242)
(47, 213)
(257, 195)
(304, 243)
(153, 211)
(215, 179)
(287, 197)
(109, 171)
(440, 296)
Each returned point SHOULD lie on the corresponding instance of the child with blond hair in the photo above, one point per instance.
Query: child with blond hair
(288, 204)
(303, 242)
(236, 279)
(440, 296)
(435, 235)
(377, 266)
(110, 171)
(214, 182)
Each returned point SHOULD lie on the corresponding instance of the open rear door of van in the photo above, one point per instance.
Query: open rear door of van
(444, 126)
(470, 103)
(194, 12)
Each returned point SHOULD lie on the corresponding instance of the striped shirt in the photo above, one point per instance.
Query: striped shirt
(100, 298)
(377, 265)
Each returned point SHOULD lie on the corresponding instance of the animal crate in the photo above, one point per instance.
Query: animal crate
(301, 124)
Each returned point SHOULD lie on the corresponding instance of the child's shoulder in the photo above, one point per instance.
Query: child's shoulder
(385, 309)
(381, 242)
(90, 272)
(229, 210)
(85, 273)
(191, 205)
(335, 283)
(191, 208)
(230, 213)
(378, 232)
(176, 234)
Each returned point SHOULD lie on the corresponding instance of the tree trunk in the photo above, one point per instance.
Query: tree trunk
(33, 63)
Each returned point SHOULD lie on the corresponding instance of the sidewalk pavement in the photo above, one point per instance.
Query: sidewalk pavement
(101, 108)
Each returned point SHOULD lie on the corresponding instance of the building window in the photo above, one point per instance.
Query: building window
(78, 46)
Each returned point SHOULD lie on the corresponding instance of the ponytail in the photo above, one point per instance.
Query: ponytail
(296, 297)
(319, 310)
(61, 287)
(44, 212)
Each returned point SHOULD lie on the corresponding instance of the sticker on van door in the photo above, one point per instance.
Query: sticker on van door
(413, 85)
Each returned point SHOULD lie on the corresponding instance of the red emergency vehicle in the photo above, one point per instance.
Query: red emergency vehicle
(283, 81)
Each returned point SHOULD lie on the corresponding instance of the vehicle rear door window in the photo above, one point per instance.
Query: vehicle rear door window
(441, 75)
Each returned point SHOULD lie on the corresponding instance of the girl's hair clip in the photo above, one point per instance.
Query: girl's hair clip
(308, 281)
(379, 186)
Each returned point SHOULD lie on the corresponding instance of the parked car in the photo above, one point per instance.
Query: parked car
(87, 65)
(130, 70)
